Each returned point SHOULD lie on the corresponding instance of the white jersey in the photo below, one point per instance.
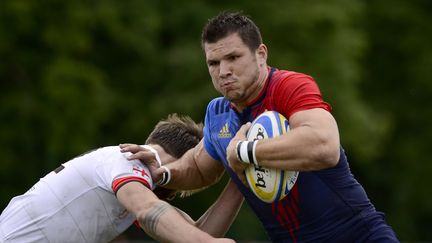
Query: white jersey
(76, 202)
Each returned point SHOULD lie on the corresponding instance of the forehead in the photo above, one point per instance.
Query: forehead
(224, 46)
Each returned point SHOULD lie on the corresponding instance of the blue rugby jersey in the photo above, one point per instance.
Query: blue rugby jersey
(323, 206)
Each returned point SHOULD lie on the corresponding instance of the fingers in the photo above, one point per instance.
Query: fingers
(138, 152)
(156, 173)
(241, 133)
(145, 156)
(129, 147)
(242, 178)
(239, 168)
(243, 129)
(241, 174)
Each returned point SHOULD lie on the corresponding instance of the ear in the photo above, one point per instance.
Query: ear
(261, 54)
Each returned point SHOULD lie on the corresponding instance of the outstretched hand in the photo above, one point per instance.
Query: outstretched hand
(238, 166)
(146, 156)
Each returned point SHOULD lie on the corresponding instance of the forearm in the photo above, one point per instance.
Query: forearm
(218, 218)
(159, 220)
(163, 223)
(185, 174)
(194, 170)
(301, 149)
(311, 144)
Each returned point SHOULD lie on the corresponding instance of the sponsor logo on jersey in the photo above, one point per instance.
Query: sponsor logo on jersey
(224, 132)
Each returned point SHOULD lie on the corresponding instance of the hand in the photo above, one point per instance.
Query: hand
(146, 157)
(223, 240)
(238, 166)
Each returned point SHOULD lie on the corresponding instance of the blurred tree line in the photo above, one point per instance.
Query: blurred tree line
(75, 75)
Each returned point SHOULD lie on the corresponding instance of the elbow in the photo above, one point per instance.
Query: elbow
(330, 157)
(328, 153)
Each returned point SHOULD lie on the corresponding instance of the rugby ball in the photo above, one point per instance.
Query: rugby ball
(269, 184)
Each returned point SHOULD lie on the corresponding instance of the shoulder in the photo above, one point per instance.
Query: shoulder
(218, 106)
(285, 77)
(294, 91)
(114, 169)
(290, 83)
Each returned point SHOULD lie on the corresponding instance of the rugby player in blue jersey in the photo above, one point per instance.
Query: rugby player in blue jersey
(327, 204)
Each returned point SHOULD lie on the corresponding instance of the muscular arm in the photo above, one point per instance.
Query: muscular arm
(219, 217)
(159, 220)
(195, 169)
(311, 144)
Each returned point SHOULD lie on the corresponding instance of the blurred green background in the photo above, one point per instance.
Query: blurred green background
(76, 75)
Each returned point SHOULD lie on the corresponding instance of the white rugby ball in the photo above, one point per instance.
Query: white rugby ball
(269, 184)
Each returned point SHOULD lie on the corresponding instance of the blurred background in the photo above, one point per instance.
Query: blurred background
(76, 75)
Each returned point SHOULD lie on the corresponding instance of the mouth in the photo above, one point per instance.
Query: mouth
(228, 87)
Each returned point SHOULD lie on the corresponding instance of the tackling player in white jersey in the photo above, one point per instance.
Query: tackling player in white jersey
(97, 196)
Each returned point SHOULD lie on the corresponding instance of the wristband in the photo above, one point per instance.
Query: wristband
(148, 147)
(246, 152)
(166, 177)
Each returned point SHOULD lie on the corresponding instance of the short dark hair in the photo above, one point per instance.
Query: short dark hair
(176, 134)
(227, 23)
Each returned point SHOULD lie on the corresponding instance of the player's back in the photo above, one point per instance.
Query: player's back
(74, 203)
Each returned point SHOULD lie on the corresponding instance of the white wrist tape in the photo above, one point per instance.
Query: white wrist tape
(246, 152)
(166, 177)
(154, 152)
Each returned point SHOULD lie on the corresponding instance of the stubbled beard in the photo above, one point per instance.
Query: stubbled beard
(234, 99)
(241, 96)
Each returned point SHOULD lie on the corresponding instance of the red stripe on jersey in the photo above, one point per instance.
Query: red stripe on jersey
(293, 216)
(287, 212)
(290, 230)
(295, 199)
(286, 220)
(292, 207)
(117, 183)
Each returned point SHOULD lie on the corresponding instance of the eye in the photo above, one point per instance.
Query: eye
(232, 57)
(212, 63)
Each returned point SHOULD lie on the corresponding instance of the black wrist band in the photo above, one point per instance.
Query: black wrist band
(246, 152)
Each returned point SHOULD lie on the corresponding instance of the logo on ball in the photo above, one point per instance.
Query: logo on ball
(269, 184)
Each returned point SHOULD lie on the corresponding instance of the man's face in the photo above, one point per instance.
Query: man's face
(234, 68)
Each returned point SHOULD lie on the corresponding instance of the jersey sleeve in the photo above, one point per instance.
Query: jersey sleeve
(115, 170)
(297, 92)
(132, 171)
(208, 145)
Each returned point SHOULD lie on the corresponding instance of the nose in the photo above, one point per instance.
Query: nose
(224, 69)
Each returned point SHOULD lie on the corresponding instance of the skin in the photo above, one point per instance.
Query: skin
(236, 72)
(239, 74)
(165, 223)
(160, 220)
